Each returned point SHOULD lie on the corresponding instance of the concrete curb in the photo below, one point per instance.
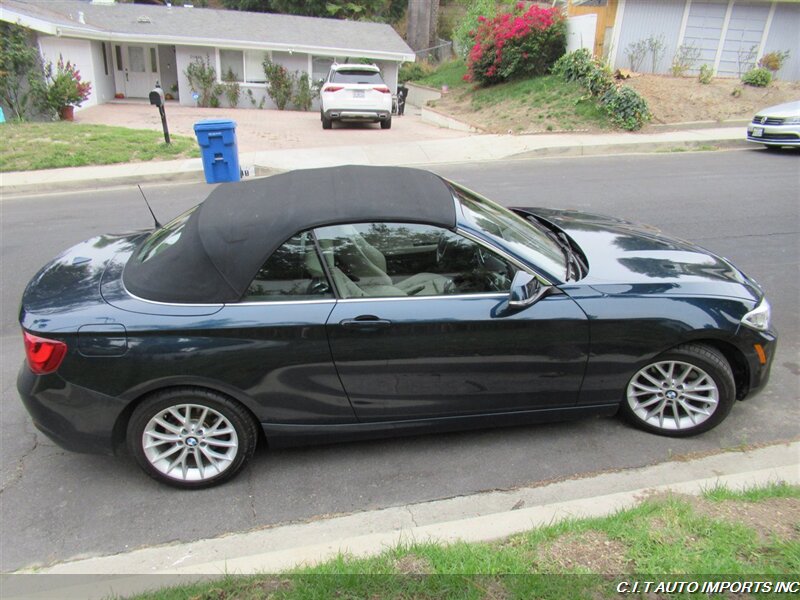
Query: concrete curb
(479, 517)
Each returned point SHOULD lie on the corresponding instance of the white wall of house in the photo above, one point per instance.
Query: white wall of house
(87, 56)
(103, 82)
(724, 31)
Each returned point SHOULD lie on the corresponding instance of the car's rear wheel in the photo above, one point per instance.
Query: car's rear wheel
(191, 438)
(386, 123)
(685, 391)
(326, 122)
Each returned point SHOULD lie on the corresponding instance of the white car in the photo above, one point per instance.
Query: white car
(355, 92)
(776, 126)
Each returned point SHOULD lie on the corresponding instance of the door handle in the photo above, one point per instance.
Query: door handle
(365, 323)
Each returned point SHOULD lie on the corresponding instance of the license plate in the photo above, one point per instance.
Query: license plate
(758, 131)
(358, 93)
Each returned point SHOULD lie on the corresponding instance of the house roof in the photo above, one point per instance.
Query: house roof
(207, 27)
(227, 238)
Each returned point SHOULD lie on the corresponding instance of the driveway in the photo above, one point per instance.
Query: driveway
(258, 130)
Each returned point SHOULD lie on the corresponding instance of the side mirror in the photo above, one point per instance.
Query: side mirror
(525, 290)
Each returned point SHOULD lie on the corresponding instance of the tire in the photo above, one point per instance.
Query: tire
(168, 435)
(386, 123)
(326, 122)
(684, 391)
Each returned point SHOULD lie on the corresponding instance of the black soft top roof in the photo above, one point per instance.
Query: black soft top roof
(230, 235)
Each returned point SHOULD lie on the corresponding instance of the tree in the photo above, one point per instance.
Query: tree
(370, 10)
(22, 86)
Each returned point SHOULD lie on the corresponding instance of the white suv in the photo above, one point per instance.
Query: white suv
(355, 92)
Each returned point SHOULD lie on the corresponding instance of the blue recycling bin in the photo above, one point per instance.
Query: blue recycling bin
(217, 139)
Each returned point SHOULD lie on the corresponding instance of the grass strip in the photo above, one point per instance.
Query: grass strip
(34, 146)
(670, 535)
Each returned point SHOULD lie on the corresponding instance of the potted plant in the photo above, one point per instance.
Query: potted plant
(65, 89)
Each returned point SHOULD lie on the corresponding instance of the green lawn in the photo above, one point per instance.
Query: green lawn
(724, 536)
(32, 146)
(450, 74)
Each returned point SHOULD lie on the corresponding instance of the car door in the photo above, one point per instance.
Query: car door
(429, 333)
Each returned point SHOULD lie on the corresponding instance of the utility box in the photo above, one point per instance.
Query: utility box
(220, 151)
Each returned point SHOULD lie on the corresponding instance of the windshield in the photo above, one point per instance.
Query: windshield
(512, 231)
(163, 238)
(356, 76)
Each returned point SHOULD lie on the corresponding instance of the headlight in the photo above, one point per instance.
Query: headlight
(758, 318)
(792, 121)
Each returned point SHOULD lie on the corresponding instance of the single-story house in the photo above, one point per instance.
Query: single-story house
(124, 49)
(729, 35)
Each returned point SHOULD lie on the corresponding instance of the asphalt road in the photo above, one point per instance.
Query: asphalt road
(56, 505)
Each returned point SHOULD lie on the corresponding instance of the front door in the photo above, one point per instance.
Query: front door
(137, 69)
(423, 329)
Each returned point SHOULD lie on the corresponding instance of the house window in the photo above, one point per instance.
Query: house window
(118, 53)
(254, 66)
(153, 60)
(246, 66)
(320, 65)
(105, 57)
(231, 65)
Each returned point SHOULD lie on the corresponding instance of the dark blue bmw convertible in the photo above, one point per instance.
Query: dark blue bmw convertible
(367, 301)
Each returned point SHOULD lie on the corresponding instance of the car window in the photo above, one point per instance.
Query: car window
(163, 238)
(404, 259)
(356, 76)
(512, 230)
(293, 272)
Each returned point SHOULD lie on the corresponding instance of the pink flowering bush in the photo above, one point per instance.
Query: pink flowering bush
(522, 43)
(65, 87)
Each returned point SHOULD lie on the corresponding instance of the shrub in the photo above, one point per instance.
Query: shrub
(465, 30)
(579, 66)
(233, 90)
(522, 43)
(774, 60)
(304, 94)
(65, 87)
(706, 75)
(22, 85)
(279, 83)
(685, 59)
(626, 108)
(758, 77)
(414, 71)
(202, 80)
(635, 51)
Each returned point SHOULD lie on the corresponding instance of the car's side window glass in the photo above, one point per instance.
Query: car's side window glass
(293, 272)
(406, 259)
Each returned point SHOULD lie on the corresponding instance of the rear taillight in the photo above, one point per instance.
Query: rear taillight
(44, 355)
(333, 88)
(382, 89)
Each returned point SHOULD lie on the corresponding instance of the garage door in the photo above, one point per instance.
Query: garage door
(704, 28)
(745, 29)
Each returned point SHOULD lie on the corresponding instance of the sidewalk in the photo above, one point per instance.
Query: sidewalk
(416, 153)
(480, 517)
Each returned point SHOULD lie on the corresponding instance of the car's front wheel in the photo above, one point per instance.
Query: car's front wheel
(191, 438)
(685, 391)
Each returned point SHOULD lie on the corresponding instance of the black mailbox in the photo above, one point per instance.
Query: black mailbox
(157, 96)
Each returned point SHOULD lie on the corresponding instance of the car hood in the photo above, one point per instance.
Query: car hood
(788, 109)
(626, 257)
